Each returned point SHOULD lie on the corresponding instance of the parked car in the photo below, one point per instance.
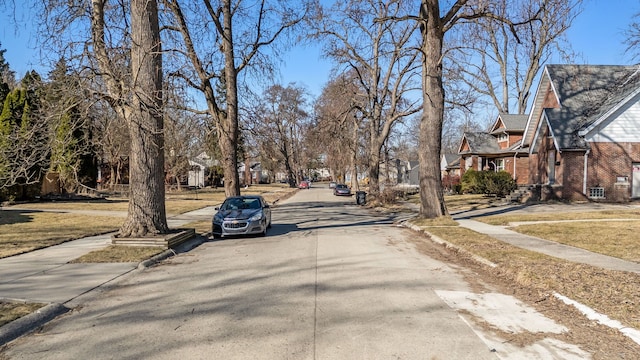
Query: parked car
(341, 190)
(332, 185)
(304, 185)
(242, 215)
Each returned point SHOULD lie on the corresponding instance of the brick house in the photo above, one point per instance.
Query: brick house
(583, 133)
(499, 149)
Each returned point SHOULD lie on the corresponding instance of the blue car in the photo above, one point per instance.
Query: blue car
(242, 215)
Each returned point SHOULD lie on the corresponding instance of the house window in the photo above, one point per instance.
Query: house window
(499, 164)
(596, 193)
(622, 179)
(503, 137)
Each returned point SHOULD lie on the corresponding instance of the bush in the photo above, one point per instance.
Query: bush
(471, 182)
(488, 182)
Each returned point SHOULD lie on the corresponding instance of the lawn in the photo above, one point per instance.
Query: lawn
(559, 216)
(25, 228)
(620, 239)
(601, 231)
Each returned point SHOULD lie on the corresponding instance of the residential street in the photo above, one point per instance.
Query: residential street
(330, 281)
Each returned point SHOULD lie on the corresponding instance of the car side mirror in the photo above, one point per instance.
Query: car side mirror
(266, 206)
(216, 208)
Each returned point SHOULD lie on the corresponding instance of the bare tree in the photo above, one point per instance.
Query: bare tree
(500, 63)
(217, 55)
(434, 24)
(338, 126)
(280, 121)
(383, 57)
(147, 214)
(632, 34)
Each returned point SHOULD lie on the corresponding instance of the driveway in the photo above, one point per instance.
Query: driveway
(330, 281)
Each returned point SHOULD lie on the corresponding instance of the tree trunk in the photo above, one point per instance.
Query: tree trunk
(374, 161)
(431, 195)
(229, 135)
(354, 157)
(147, 214)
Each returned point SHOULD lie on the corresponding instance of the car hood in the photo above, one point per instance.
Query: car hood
(240, 214)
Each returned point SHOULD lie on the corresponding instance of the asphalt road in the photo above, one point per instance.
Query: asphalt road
(330, 281)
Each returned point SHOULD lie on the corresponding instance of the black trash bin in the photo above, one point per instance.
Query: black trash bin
(361, 197)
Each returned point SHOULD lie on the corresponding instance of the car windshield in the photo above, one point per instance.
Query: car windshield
(241, 203)
(341, 186)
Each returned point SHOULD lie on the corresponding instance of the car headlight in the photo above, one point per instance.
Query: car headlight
(256, 217)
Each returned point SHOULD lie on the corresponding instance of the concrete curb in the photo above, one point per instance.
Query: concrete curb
(29, 323)
(445, 243)
(184, 247)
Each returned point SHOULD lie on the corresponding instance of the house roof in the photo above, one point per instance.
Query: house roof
(510, 123)
(450, 158)
(586, 95)
(481, 143)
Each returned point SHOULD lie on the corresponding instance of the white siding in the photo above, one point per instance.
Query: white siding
(622, 126)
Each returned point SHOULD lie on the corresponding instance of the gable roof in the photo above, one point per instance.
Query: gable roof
(510, 123)
(480, 143)
(450, 158)
(586, 94)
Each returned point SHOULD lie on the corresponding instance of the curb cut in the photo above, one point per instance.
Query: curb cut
(446, 244)
(29, 323)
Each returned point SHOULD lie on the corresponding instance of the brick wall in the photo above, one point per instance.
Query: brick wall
(571, 171)
(607, 161)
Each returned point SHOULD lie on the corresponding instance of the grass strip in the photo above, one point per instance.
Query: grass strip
(119, 254)
(10, 311)
(614, 293)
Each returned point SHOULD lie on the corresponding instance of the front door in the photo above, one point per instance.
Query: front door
(635, 182)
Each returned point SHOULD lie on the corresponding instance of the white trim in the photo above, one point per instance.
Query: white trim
(609, 113)
(532, 115)
(584, 177)
(538, 131)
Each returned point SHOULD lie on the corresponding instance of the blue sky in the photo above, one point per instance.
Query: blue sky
(597, 35)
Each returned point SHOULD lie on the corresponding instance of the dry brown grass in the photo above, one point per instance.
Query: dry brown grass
(201, 227)
(440, 221)
(620, 239)
(119, 254)
(10, 311)
(614, 293)
(558, 216)
(22, 231)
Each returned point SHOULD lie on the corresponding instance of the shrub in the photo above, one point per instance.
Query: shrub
(470, 182)
(499, 183)
(488, 182)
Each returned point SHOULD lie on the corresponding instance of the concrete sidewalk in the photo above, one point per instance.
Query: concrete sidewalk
(550, 248)
(45, 275)
(547, 247)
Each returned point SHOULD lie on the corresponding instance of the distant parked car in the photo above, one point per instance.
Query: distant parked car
(341, 190)
(242, 215)
(332, 185)
(304, 185)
